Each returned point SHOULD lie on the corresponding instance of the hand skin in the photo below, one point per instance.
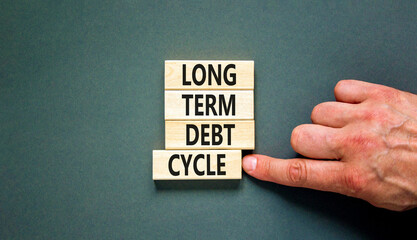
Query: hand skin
(371, 132)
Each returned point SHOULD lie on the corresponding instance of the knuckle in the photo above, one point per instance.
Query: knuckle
(363, 143)
(398, 97)
(366, 114)
(388, 94)
(378, 92)
(267, 171)
(358, 142)
(354, 182)
(332, 141)
(378, 112)
(381, 114)
(297, 172)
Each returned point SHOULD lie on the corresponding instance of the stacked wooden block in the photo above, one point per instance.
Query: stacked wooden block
(209, 119)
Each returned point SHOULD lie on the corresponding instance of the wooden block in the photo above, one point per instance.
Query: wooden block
(184, 105)
(199, 74)
(210, 134)
(196, 164)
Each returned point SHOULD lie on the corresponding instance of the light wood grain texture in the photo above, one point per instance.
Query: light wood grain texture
(233, 134)
(169, 164)
(244, 71)
(181, 105)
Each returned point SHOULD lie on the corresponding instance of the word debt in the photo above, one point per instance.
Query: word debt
(210, 134)
(183, 105)
(199, 74)
(196, 164)
(207, 130)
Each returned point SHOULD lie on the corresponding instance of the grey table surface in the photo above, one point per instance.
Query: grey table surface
(81, 109)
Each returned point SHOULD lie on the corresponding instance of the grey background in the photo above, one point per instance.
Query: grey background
(81, 109)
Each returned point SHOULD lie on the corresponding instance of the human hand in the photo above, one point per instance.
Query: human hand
(371, 130)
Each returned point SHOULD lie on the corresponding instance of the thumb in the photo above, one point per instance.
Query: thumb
(298, 172)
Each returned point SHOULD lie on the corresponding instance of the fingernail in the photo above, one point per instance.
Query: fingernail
(249, 163)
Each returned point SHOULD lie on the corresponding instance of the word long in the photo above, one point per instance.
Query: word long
(200, 73)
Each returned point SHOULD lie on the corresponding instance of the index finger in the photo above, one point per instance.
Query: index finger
(332, 176)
